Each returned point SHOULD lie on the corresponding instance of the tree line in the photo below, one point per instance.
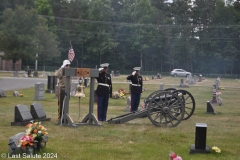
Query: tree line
(201, 36)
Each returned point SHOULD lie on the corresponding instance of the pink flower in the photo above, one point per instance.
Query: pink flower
(177, 158)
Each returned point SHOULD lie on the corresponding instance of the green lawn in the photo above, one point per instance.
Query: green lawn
(139, 138)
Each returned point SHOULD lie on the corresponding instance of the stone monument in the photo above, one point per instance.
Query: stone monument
(39, 91)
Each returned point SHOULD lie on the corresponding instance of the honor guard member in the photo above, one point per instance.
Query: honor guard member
(61, 86)
(104, 91)
(136, 88)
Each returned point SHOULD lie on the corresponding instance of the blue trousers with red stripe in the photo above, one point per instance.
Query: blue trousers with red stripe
(102, 102)
(135, 100)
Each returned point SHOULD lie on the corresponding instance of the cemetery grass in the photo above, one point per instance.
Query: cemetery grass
(138, 138)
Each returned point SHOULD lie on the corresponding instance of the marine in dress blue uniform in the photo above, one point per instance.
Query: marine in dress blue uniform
(104, 91)
(136, 88)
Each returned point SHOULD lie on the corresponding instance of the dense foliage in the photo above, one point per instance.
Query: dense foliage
(199, 36)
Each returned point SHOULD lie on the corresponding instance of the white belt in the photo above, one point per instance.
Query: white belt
(136, 85)
(103, 84)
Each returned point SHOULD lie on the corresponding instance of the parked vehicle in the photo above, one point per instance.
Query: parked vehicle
(180, 72)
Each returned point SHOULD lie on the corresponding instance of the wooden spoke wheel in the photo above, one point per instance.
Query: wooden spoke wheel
(165, 109)
(188, 102)
(170, 89)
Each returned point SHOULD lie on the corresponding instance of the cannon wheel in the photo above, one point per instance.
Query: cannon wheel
(165, 109)
(188, 102)
(170, 89)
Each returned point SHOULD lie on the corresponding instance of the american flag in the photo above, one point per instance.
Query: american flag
(71, 54)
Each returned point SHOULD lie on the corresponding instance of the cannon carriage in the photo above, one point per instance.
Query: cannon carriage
(163, 108)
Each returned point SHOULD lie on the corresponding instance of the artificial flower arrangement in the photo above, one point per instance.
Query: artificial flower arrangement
(26, 141)
(174, 156)
(115, 95)
(119, 94)
(35, 131)
(216, 149)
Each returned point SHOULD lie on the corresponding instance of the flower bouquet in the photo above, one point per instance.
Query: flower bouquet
(36, 130)
(26, 141)
(34, 134)
(122, 93)
(115, 95)
(216, 149)
(174, 156)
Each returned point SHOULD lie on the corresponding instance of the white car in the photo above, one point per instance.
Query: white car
(180, 72)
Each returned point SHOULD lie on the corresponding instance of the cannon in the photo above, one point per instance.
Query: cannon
(163, 108)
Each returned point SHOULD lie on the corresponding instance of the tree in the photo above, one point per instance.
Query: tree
(20, 35)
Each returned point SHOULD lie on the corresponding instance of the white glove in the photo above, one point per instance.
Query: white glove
(133, 73)
(63, 66)
(100, 69)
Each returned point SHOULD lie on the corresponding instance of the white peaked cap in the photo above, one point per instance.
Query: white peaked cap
(136, 68)
(104, 65)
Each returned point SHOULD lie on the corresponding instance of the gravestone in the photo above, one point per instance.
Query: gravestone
(217, 82)
(182, 84)
(43, 74)
(200, 139)
(191, 80)
(214, 96)
(38, 112)
(25, 74)
(200, 78)
(128, 108)
(195, 79)
(39, 91)
(52, 81)
(210, 109)
(162, 87)
(181, 81)
(86, 82)
(2, 94)
(16, 94)
(13, 143)
(112, 73)
(15, 74)
(73, 89)
(22, 115)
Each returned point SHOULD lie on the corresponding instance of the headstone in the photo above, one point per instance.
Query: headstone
(25, 74)
(200, 78)
(182, 84)
(112, 73)
(210, 109)
(13, 143)
(128, 108)
(39, 91)
(43, 74)
(195, 79)
(2, 94)
(86, 82)
(190, 80)
(15, 74)
(162, 87)
(22, 115)
(214, 96)
(181, 81)
(200, 139)
(38, 112)
(52, 81)
(16, 94)
(35, 73)
(73, 89)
